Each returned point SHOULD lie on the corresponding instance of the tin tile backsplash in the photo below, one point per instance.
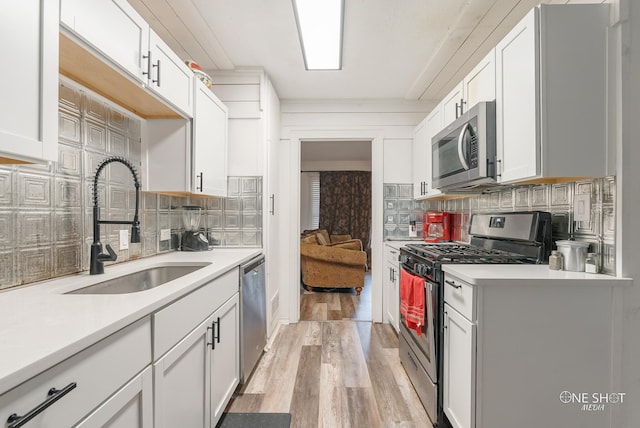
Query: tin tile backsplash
(45, 210)
(571, 217)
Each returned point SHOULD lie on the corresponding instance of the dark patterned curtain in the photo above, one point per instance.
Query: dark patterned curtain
(345, 204)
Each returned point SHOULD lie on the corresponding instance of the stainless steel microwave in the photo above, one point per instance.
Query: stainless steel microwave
(464, 153)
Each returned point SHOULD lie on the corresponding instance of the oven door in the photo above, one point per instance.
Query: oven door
(425, 344)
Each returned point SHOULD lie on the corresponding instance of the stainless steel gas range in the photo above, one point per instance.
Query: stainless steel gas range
(497, 238)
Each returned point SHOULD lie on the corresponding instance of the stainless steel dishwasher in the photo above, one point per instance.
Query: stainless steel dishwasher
(253, 315)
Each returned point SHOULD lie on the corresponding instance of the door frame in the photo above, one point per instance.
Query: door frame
(293, 249)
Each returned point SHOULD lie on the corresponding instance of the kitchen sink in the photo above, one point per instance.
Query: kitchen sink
(139, 281)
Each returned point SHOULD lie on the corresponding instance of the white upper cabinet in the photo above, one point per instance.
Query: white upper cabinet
(29, 84)
(118, 33)
(422, 154)
(209, 143)
(551, 94)
(453, 104)
(168, 75)
(434, 125)
(113, 28)
(420, 159)
(188, 157)
(478, 85)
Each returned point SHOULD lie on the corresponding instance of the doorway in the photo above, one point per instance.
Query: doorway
(290, 185)
(342, 169)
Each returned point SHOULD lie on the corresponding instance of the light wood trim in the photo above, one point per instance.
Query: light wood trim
(4, 160)
(80, 65)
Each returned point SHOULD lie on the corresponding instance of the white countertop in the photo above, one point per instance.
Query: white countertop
(401, 243)
(41, 326)
(499, 274)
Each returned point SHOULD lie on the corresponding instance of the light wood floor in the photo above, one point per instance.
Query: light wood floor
(323, 304)
(334, 374)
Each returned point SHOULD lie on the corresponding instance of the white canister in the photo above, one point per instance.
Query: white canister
(574, 254)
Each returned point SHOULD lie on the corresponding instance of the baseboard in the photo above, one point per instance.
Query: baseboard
(274, 334)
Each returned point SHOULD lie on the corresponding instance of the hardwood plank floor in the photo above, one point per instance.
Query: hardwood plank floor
(324, 304)
(334, 373)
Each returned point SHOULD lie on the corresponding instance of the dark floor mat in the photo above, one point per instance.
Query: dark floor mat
(255, 420)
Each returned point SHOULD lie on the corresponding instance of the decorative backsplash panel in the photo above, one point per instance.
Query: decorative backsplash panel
(45, 210)
(565, 201)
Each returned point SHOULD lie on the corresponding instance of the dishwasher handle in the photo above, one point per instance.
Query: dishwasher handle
(252, 264)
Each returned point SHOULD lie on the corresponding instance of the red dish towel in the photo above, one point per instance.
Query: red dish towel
(412, 301)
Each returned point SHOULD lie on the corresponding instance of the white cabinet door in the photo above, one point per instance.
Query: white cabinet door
(459, 375)
(420, 167)
(480, 83)
(182, 382)
(392, 280)
(209, 143)
(130, 407)
(225, 357)
(434, 125)
(453, 105)
(113, 28)
(169, 76)
(29, 84)
(518, 139)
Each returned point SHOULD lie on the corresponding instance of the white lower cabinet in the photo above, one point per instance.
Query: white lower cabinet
(194, 381)
(459, 369)
(225, 356)
(96, 375)
(130, 407)
(392, 285)
(197, 354)
(513, 346)
(182, 380)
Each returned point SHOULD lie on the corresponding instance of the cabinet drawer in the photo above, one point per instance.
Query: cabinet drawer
(97, 371)
(175, 321)
(392, 255)
(460, 296)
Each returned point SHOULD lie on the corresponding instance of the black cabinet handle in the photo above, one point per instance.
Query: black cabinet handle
(199, 176)
(15, 421)
(218, 338)
(213, 329)
(214, 338)
(453, 284)
(148, 58)
(157, 65)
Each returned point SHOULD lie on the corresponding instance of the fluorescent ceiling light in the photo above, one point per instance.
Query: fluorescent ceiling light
(320, 30)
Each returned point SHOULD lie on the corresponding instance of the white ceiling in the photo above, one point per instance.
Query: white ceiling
(402, 49)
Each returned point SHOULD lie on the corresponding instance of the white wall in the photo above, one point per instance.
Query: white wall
(377, 121)
(626, 34)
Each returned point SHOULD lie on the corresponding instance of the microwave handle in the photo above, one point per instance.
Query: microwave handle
(461, 154)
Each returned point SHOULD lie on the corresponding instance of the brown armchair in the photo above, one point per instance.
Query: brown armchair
(340, 264)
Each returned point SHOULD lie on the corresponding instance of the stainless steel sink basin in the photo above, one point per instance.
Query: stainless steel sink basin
(138, 281)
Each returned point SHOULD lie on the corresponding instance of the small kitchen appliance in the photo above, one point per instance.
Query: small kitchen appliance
(436, 226)
(496, 238)
(192, 238)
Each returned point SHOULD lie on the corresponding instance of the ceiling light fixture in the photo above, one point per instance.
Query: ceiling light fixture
(320, 28)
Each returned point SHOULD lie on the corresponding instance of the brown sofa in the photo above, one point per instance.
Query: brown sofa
(332, 261)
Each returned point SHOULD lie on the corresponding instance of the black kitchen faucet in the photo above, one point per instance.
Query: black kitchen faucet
(97, 256)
